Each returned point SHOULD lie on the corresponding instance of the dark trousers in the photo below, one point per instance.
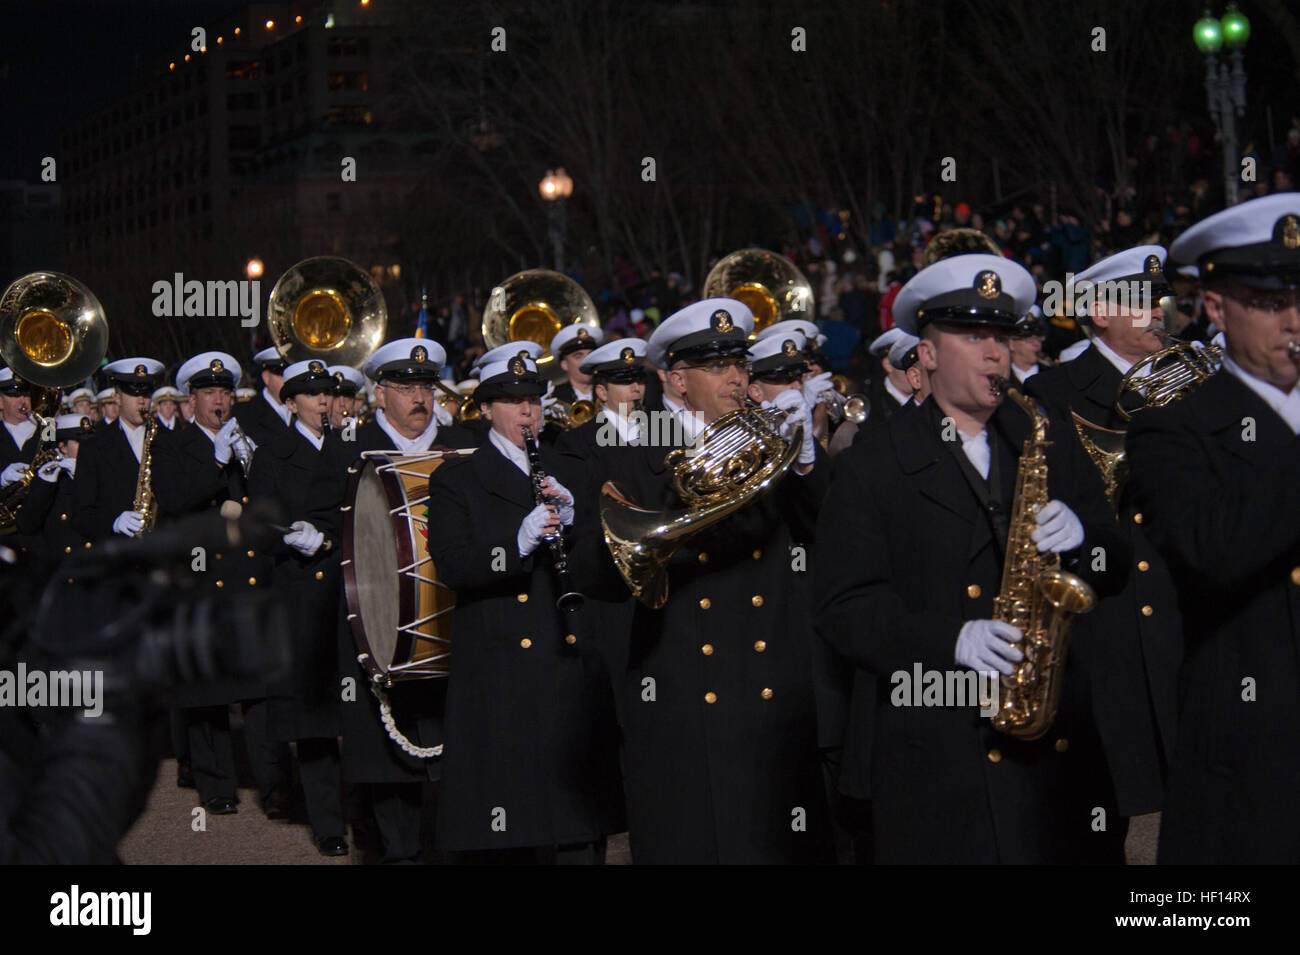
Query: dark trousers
(581, 853)
(397, 812)
(212, 751)
(322, 787)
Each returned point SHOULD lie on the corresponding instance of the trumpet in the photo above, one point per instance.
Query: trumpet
(242, 447)
(570, 414)
(841, 407)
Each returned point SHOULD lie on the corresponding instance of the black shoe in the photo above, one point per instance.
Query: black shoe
(184, 776)
(333, 846)
(221, 806)
(276, 805)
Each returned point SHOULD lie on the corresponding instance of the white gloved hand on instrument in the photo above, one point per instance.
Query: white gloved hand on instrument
(12, 473)
(539, 522)
(304, 538)
(129, 523)
(560, 498)
(223, 442)
(798, 411)
(816, 386)
(1058, 529)
(985, 645)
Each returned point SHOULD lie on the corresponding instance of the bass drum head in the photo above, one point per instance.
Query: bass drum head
(374, 562)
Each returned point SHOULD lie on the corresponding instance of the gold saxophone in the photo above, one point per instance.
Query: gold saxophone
(1036, 596)
(145, 503)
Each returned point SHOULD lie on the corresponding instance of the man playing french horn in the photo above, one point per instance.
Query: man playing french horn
(913, 533)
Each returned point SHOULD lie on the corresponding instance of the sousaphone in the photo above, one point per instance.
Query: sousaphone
(533, 306)
(769, 283)
(327, 308)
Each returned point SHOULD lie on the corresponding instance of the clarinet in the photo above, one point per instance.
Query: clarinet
(569, 600)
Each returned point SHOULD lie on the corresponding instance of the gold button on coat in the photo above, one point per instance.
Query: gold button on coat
(973, 591)
(252, 581)
(68, 549)
(1062, 745)
(767, 693)
(220, 584)
(1143, 566)
(995, 756)
(1137, 518)
(760, 646)
(705, 603)
(710, 697)
(757, 554)
(707, 649)
(1295, 576)
(63, 517)
(525, 643)
(1147, 610)
(703, 558)
(320, 575)
(756, 600)
(252, 553)
(522, 598)
(571, 639)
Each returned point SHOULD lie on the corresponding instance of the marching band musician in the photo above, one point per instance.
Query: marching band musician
(80, 401)
(530, 767)
(1026, 344)
(209, 472)
(720, 755)
(816, 375)
(19, 438)
(391, 781)
(106, 406)
(917, 517)
(108, 468)
(348, 381)
(293, 470)
(43, 520)
(166, 405)
(571, 345)
(1215, 479)
(890, 390)
(1131, 646)
(266, 416)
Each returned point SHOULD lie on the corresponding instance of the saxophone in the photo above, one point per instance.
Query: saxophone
(12, 497)
(1036, 596)
(145, 503)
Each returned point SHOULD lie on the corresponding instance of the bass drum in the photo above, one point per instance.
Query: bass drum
(399, 612)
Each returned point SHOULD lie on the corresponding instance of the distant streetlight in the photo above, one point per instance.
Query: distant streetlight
(1224, 87)
(555, 188)
(253, 269)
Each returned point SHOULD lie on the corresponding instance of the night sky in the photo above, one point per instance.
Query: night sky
(60, 59)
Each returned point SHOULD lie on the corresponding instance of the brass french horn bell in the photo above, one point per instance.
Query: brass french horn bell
(769, 283)
(327, 308)
(53, 331)
(532, 306)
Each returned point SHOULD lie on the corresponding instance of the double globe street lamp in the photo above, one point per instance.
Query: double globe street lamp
(1225, 87)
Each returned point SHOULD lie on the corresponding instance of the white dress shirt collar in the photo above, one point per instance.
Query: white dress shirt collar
(421, 442)
(901, 398)
(514, 454)
(976, 448)
(21, 431)
(317, 442)
(1286, 404)
(628, 429)
(134, 436)
(1027, 373)
(1116, 359)
(280, 409)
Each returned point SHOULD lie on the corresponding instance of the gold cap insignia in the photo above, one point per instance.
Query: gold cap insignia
(216, 365)
(1152, 264)
(517, 366)
(1291, 232)
(338, 376)
(721, 321)
(988, 284)
(139, 371)
(788, 349)
(315, 367)
(627, 355)
(85, 424)
(582, 332)
(419, 353)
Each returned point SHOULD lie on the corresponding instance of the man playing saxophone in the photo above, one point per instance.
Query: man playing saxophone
(913, 533)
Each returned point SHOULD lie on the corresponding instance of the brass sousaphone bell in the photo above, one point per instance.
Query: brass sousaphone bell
(533, 306)
(769, 283)
(327, 308)
(53, 331)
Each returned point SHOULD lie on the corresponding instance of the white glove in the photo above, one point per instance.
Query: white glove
(533, 529)
(816, 386)
(304, 538)
(223, 442)
(547, 401)
(442, 415)
(559, 497)
(50, 471)
(12, 473)
(798, 411)
(129, 523)
(1058, 529)
(985, 645)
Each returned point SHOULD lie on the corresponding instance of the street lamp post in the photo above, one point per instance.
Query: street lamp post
(555, 188)
(1225, 87)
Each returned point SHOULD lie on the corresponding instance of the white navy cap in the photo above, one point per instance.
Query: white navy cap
(347, 380)
(974, 289)
(1256, 243)
(166, 393)
(11, 384)
(466, 387)
(619, 361)
(107, 394)
(77, 394)
(885, 341)
(1143, 263)
(306, 377)
(406, 359)
(268, 359)
(777, 354)
(711, 328)
(212, 369)
(575, 337)
(135, 376)
(902, 353)
(245, 394)
(510, 369)
(801, 325)
(73, 427)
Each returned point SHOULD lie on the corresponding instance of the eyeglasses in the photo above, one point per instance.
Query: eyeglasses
(720, 365)
(411, 388)
(1272, 302)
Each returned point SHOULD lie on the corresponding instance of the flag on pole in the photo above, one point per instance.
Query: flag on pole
(422, 323)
